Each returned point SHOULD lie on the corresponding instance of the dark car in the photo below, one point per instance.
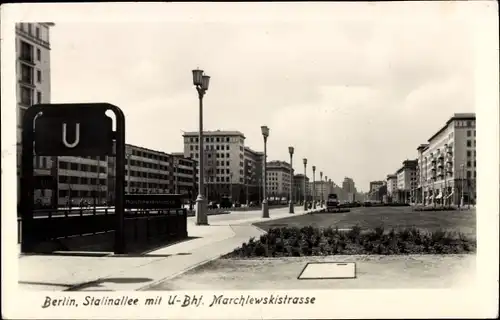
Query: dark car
(332, 202)
(226, 203)
(212, 205)
(253, 204)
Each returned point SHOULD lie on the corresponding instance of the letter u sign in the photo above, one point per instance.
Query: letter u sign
(65, 138)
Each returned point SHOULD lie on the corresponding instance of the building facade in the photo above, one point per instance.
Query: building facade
(406, 179)
(253, 174)
(224, 162)
(349, 189)
(447, 163)
(278, 179)
(33, 86)
(185, 178)
(392, 187)
(298, 183)
(82, 179)
(374, 188)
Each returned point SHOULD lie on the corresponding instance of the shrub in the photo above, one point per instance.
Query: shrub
(310, 241)
(437, 208)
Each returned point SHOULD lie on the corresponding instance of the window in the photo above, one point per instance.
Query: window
(469, 153)
(38, 97)
(37, 34)
(468, 133)
(30, 29)
(38, 54)
(468, 164)
(191, 148)
(469, 143)
(39, 76)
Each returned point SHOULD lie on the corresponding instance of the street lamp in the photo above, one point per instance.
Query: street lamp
(201, 81)
(305, 184)
(265, 208)
(127, 155)
(322, 192)
(462, 191)
(327, 187)
(291, 206)
(231, 185)
(314, 187)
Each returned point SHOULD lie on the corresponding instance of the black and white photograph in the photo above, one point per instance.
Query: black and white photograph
(269, 146)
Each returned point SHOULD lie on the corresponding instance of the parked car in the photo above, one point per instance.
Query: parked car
(253, 204)
(332, 202)
(237, 204)
(212, 205)
(226, 203)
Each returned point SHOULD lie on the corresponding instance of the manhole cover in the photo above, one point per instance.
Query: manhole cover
(328, 270)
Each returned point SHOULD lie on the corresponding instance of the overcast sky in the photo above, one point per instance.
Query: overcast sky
(355, 94)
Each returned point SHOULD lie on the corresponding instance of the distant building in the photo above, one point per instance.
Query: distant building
(224, 162)
(349, 189)
(374, 188)
(392, 187)
(253, 174)
(447, 163)
(406, 181)
(278, 179)
(298, 182)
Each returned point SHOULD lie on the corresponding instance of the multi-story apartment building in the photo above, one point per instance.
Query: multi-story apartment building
(349, 189)
(406, 181)
(148, 171)
(185, 178)
(298, 183)
(325, 188)
(82, 179)
(32, 46)
(224, 156)
(374, 188)
(253, 174)
(278, 179)
(392, 187)
(447, 163)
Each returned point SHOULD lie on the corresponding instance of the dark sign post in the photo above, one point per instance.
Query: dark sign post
(70, 130)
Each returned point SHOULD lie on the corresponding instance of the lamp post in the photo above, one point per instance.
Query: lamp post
(201, 81)
(322, 192)
(462, 191)
(327, 187)
(265, 208)
(128, 154)
(291, 206)
(231, 185)
(305, 184)
(314, 187)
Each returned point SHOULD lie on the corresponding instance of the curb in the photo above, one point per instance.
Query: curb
(153, 283)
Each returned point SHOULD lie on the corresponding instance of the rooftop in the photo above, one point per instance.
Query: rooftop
(214, 133)
(456, 116)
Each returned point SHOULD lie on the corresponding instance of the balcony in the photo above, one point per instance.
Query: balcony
(27, 58)
(27, 81)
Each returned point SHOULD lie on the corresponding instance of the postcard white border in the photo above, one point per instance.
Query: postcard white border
(480, 300)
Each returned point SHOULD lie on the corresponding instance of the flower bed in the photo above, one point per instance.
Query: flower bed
(310, 241)
(435, 209)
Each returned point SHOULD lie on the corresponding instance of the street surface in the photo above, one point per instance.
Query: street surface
(105, 271)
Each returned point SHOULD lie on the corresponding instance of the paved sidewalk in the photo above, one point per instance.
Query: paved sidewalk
(111, 273)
